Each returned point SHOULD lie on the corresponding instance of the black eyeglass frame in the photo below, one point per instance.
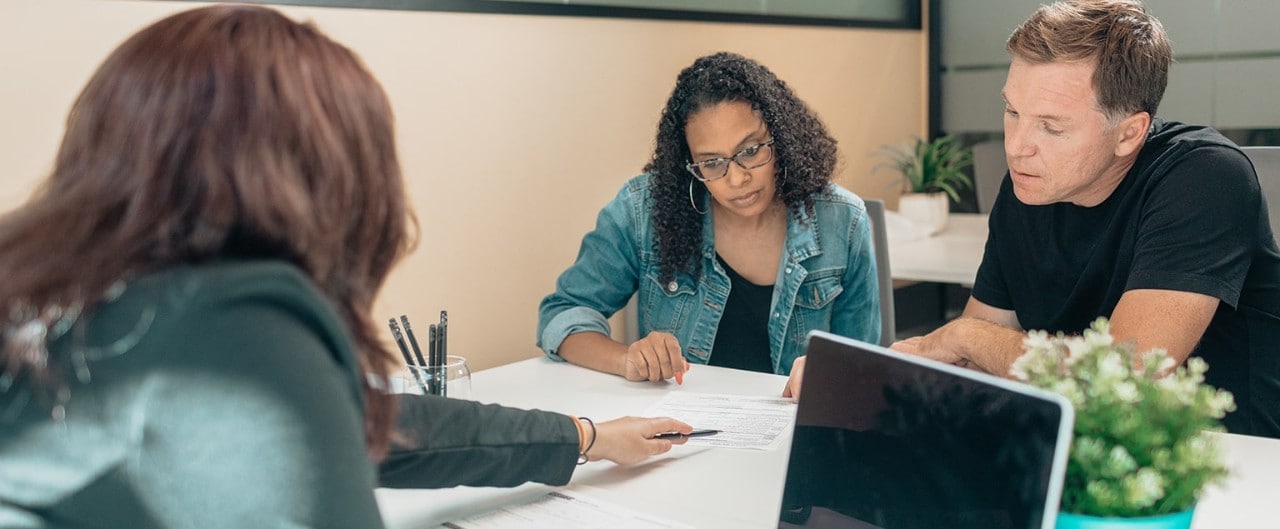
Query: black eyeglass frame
(695, 169)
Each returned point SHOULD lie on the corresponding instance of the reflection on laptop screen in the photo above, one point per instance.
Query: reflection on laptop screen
(883, 440)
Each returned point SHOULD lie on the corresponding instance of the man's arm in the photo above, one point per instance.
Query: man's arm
(1169, 319)
(984, 337)
(991, 339)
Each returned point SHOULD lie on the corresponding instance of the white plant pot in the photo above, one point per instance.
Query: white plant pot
(927, 210)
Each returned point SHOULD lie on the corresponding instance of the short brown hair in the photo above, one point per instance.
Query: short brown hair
(217, 133)
(1127, 44)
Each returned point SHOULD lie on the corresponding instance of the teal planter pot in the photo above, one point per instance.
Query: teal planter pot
(1180, 520)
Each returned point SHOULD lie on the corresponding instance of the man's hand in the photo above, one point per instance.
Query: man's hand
(930, 346)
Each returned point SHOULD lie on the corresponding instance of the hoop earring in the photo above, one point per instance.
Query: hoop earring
(691, 202)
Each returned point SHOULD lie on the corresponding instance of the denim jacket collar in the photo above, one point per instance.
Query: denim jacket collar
(802, 235)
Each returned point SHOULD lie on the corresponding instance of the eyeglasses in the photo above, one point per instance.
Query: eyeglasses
(748, 159)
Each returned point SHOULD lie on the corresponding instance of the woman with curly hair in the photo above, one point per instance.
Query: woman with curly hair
(735, 239)
(187, 337)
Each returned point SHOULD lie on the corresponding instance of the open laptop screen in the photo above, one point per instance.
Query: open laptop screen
(890, 441)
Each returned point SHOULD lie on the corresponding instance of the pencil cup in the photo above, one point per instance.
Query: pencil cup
(454, 377)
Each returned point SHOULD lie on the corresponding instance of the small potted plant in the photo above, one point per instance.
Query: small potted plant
(1140, 455)
(931, 172)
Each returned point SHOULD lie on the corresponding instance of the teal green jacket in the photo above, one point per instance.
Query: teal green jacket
(228, 395)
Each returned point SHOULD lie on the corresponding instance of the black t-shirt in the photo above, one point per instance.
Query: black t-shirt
(1189, 216)
(742, 339)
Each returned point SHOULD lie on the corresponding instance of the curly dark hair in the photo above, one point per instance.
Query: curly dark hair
(804, 153)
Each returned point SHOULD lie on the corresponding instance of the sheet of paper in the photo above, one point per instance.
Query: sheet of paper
(564, 510)
(745, 422)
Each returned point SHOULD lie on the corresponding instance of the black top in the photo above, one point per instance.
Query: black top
(1188, 216)
(228, 395)
(742, 338)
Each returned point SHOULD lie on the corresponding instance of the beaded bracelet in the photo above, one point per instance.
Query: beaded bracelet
(582, 456)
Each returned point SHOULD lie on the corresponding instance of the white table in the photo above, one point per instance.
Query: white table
(706, 488)
(950, 256)
(718, 488)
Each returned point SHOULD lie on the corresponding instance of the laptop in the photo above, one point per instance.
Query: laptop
(885, 440)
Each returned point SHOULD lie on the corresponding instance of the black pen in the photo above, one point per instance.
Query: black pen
(442, 346)
(413, 340)
(677, 435)
(404, 350)
(444, 336)
(433, 358)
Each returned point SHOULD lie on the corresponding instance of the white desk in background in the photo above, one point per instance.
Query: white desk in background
(721, 488)
(950, 256)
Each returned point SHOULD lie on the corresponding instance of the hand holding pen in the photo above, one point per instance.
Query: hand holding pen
(629, 440)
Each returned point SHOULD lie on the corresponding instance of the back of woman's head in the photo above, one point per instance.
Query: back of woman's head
(218, 133)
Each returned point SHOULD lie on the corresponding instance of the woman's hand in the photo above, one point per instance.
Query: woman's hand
(630, 440)
(793, 382)
(655, 357)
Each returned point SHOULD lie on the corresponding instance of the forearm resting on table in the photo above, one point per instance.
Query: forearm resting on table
(986, 345)
(594, 351)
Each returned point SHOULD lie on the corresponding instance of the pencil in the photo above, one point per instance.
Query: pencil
(404, 350)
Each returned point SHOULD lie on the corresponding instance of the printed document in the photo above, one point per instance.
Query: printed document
(744, 422)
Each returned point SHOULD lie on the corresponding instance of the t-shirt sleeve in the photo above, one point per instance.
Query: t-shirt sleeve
(989, 286)
(1198, 226)
(253, 423)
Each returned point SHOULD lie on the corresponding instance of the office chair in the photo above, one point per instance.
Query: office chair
(989, 168)
(1266, 162)
(880, 240)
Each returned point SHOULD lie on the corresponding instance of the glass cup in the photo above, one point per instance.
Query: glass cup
(454, 377)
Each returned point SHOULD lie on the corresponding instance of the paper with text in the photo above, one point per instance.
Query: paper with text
(564, 510)
(744, 422)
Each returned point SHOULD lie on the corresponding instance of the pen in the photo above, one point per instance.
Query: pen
(433, 359)
(442, 346)
(413, 340)
(677, 435)
(404, 350)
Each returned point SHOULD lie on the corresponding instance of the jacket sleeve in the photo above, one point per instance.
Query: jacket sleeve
(442, 442)
(857, 311)
(601, 280)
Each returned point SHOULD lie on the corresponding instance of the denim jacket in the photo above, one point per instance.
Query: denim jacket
(826, 280)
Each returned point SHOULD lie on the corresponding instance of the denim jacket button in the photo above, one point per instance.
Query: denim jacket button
(788, 269)
(672, 286)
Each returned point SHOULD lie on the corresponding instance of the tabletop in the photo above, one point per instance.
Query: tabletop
(724, 488)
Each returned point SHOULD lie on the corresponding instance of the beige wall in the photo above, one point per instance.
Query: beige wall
(513, 130)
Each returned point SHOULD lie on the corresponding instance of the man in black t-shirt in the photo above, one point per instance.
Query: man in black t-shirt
(1108, 211)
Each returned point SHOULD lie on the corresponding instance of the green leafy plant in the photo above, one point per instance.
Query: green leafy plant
(932, 166)
(1139, 447)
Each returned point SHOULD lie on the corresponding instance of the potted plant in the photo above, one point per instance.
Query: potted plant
(931, 172)
(1140, 455)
